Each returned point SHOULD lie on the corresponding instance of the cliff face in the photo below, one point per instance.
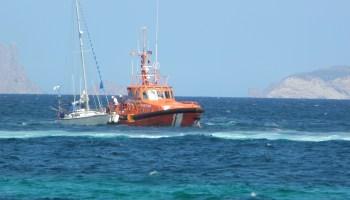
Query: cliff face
(328, 83)
(13, 79)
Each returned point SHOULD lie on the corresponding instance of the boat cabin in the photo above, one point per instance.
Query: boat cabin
(151, 93)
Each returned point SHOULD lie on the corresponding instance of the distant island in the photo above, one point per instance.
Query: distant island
(13, 78)
(327, 83)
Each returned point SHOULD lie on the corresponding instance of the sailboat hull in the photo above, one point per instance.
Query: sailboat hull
(86, 121)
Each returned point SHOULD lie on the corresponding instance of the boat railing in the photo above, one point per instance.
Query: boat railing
(152, 78)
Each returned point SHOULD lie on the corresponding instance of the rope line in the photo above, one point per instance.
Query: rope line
(101, 86)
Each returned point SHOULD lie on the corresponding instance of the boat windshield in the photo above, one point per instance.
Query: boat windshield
(161, 95)
(150, 95)
(154, 95)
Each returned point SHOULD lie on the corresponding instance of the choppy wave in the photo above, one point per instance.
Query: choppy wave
(283, 135)
(231, 135)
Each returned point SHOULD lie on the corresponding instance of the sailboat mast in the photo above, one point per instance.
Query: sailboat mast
(82, 54)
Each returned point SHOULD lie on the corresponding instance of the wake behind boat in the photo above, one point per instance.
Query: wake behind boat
(81, 114)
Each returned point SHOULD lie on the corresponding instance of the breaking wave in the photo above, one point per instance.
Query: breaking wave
(283, 135)
(230, 135)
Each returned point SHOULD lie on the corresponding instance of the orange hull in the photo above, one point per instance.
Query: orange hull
(176, 118)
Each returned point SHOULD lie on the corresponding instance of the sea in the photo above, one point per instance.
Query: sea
(245, 149)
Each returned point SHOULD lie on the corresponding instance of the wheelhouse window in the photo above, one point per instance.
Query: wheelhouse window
(130, 94)
(150, 95)
(154, 94)
(161, 95)
(167, 94)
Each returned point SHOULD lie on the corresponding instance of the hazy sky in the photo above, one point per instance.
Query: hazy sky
(206, 47)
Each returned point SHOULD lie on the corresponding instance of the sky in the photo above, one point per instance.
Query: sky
(206, 48)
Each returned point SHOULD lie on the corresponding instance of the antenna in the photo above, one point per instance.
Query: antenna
(144, 35)
(132, 67)
(157, 30)
(138, 45)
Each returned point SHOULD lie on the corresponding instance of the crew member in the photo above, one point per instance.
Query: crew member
(115, 101)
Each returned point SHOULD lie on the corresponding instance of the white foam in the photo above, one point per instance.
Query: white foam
(283, 135)
(232, 135)
(210, 123)
(153, 173)
(57, 133)
(253, 194)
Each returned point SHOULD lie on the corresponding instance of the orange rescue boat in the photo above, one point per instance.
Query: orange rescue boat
(151, 100)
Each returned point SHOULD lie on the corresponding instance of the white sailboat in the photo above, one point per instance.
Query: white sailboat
(81, 113)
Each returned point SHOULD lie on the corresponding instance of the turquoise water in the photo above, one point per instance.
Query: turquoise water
(245, 149)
